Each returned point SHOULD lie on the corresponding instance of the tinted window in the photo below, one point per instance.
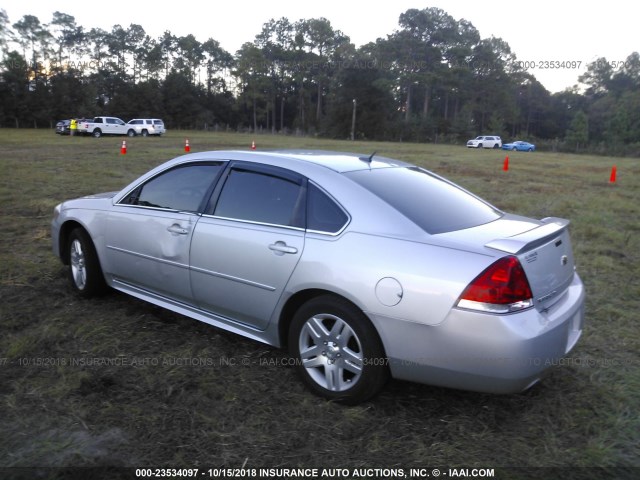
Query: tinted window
(182, 188)
(259, 197)
(323, 214)
(432, 203)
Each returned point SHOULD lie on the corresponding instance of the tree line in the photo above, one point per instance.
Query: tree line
(433, 79)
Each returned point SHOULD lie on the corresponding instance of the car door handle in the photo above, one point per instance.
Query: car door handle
(281, 247)
(175, 228)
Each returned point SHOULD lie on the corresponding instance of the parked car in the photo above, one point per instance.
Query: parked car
(363, 266)
(145, 127)
(100, 126)
(520, 146)
(63, 127)
(485, 141)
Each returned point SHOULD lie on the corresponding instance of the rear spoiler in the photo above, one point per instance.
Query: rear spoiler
(551, 227)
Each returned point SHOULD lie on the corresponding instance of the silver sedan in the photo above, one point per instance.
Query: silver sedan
(364, 267)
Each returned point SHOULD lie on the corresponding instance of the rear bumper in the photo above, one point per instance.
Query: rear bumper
(484, 352)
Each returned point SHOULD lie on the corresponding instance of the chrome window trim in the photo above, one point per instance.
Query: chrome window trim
(160, 209)
(327, 234)
(252, 222)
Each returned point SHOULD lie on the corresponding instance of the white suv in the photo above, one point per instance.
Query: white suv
(484, 141)
(145, 126)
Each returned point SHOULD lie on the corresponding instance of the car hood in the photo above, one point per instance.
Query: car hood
(101, 195)
(89, 201)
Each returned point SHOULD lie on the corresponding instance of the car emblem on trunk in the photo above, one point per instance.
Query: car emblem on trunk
(564, 259)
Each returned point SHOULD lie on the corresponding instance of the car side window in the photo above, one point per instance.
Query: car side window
(182, 188)
(323, 214)
(261, 197)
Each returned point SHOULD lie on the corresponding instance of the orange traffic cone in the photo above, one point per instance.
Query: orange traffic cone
(253, 145)
(614, 173)
(123, 149)
(187, 148)
(505, 167)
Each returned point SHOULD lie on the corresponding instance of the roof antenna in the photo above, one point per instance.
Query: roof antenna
(368, 159)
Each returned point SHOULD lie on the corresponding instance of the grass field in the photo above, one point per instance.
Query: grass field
(165, 413)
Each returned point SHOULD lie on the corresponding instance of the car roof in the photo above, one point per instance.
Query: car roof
(306, 162)
(337, 161)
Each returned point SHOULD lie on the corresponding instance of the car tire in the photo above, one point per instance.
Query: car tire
(479, 145)
(530, 150)
(145, 133)
(97, 133)
(496, 145)
(85, 273)
(338, 352)
(131, 133)
(514, 149)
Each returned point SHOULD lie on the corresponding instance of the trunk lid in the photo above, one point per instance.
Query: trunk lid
(546, 256)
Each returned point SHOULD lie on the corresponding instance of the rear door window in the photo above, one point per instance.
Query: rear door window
(261, 197)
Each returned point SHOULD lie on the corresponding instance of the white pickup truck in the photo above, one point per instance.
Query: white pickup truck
(103, 126)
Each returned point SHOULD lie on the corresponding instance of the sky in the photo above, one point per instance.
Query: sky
(546, 31)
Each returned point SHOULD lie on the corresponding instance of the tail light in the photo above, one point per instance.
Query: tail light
(501, 288)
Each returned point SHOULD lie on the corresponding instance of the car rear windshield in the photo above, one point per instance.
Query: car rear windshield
(434, 204)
